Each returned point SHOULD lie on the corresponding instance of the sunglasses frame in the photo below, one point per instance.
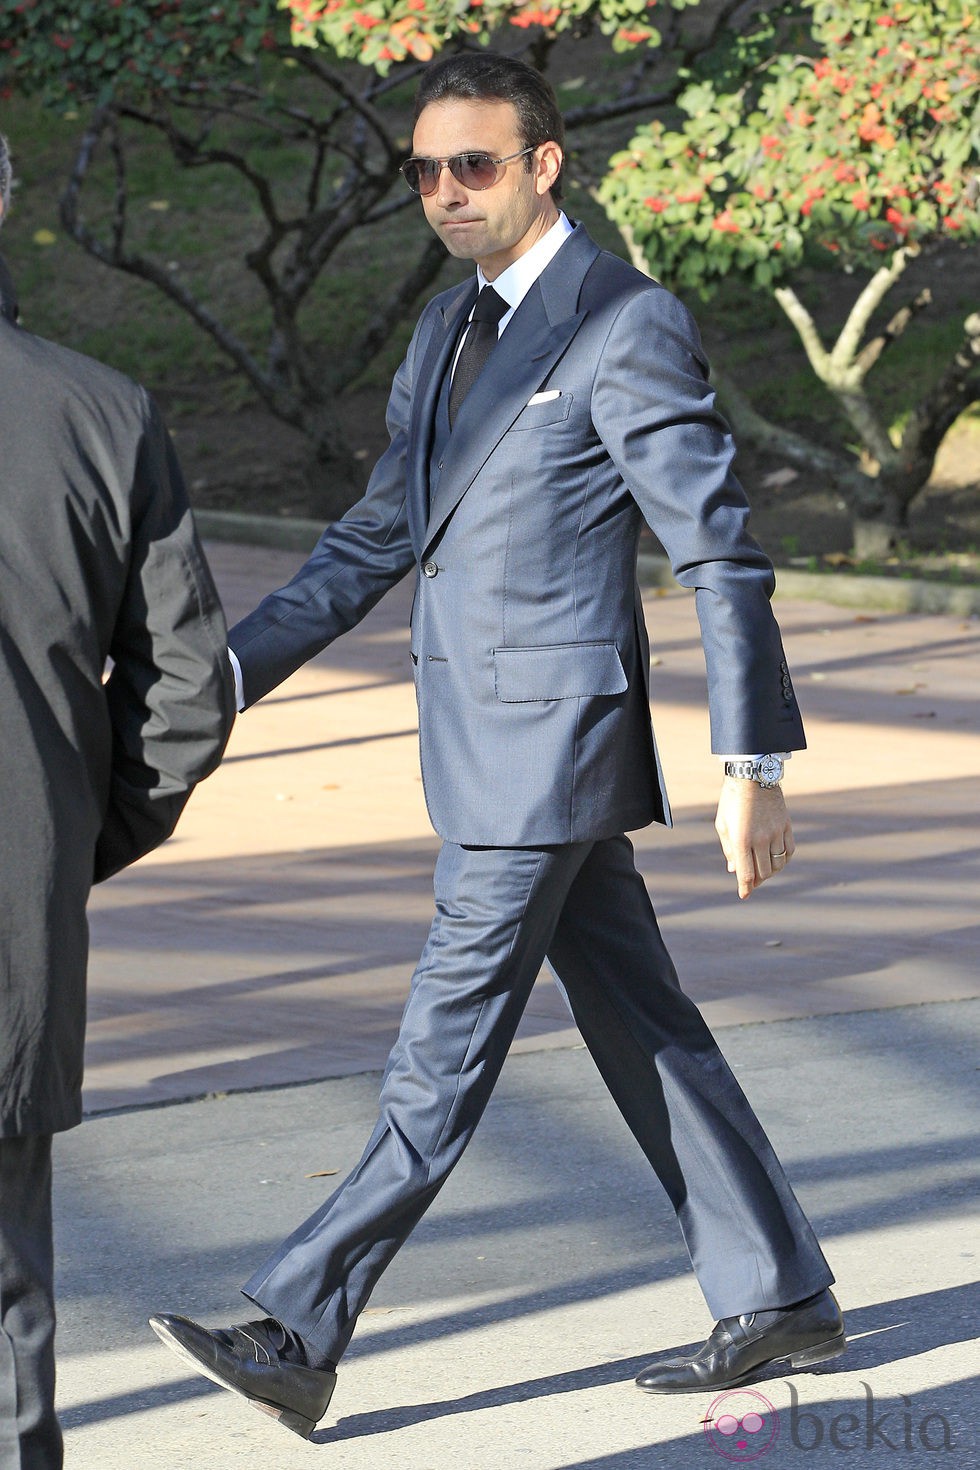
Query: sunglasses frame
(457, 159)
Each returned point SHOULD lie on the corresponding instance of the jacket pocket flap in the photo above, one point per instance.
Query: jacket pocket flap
(538, 415)
(558, 671)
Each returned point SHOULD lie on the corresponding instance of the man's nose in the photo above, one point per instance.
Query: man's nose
(448, 189)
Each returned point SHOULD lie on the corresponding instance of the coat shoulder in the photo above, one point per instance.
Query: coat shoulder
(60, 378)
(632, 303)
(612, 281)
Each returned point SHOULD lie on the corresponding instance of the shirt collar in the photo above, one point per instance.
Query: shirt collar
(515, 282)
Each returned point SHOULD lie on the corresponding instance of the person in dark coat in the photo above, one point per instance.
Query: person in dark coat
(100, 567)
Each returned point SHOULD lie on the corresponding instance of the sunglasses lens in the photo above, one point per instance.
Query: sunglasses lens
(474, 170)
(421, 174)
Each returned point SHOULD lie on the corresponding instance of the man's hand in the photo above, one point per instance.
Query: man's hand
(755, 832)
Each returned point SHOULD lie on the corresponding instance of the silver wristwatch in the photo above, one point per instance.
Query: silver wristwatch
(767, 770)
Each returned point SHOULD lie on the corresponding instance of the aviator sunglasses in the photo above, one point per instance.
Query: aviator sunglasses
(472, 170)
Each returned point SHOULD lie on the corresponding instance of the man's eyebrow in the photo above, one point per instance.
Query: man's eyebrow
(481, 148)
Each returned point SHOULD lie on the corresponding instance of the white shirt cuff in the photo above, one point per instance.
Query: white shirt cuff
(239, 685)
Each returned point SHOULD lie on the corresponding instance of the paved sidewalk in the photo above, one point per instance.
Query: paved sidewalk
(271, 943)
(272, 939)
(507, 1333)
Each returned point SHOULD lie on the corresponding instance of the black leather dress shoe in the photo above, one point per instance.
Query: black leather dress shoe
(811, 1332)
(257, 1360)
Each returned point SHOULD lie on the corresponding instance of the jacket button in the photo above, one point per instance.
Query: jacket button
(430, 569)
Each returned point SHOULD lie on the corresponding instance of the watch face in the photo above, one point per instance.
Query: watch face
(770, 769)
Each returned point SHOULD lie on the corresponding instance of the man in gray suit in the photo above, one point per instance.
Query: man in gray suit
(535, 423)
(99, 562)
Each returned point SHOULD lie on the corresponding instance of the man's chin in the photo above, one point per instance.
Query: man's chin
(463, 241)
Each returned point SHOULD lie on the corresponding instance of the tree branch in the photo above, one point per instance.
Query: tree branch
(762, 432)
(284, 405)
(394, 206)
(360, 353)
(193, 153)
(844, 382)
(842, 358)
(356, 103)
(579, 117)
(936, 412)
(870, 354)
(806, 329)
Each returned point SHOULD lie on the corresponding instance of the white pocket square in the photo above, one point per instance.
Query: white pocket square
(546, 397)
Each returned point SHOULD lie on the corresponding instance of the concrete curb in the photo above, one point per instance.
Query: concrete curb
(281, 534)
(888, 594)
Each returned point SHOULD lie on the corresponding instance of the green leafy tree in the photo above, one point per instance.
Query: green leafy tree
(234, 87)
(859, 146)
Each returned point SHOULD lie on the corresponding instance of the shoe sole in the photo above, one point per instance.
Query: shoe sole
(288, 1418)
(821, 1352)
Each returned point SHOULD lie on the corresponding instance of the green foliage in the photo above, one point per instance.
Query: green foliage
(97, 49)
(867, 139)
(379, 32)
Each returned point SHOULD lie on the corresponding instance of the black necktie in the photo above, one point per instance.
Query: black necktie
(481, 338)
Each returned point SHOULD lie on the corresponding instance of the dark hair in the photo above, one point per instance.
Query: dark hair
(486, 76)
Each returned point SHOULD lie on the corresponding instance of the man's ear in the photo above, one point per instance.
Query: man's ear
(549, 159)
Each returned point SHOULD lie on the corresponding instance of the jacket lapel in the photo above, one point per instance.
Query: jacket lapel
(447, 321)
(542, 327)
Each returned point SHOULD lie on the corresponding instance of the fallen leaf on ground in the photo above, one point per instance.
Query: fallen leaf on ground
(785, 476)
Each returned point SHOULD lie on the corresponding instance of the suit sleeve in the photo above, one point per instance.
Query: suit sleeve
(170, 694)
(356, 561)
(654, 410)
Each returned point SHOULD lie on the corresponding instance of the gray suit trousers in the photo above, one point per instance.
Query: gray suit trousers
(30, 1436)
(499, 913)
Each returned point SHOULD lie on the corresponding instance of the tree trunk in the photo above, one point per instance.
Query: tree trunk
(335, 479)
(878, 522)
(873, 540)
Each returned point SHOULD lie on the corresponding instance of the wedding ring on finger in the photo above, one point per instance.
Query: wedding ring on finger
(778, 857)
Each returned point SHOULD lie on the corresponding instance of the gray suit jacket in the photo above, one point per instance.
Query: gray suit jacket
(530, 651)
(98, 559)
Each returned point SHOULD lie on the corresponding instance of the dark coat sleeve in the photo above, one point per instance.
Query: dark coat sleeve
(171, 692)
